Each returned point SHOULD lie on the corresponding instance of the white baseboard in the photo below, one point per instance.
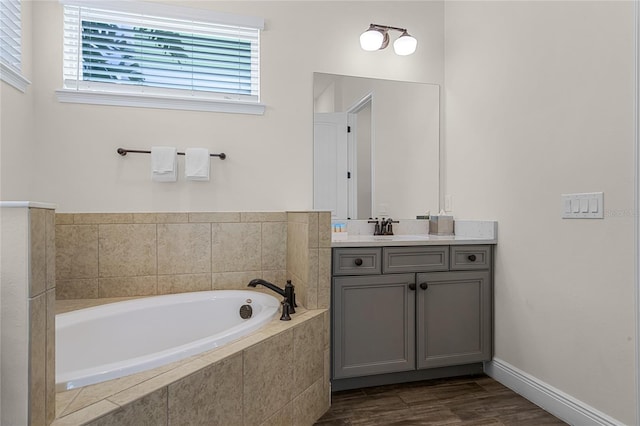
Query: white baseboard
(553, 400)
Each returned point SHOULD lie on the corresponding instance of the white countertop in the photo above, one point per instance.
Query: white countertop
(413, 233)
(409, 240)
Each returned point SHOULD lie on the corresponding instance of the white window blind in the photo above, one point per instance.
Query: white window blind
(132, 52)
(11, 33)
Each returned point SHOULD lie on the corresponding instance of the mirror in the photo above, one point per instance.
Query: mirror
(376, 147)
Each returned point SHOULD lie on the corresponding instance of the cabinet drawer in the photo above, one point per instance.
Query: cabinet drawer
(415, 259)
(470, 257)
(356, 261)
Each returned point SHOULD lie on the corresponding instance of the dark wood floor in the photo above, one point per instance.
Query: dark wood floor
(470, 400)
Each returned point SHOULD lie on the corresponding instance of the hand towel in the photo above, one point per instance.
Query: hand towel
(164, 164)
(197, 164)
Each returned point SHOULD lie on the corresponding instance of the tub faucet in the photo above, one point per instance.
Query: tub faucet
(288, 292)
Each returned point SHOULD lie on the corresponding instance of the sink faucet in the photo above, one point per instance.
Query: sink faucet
(289, 303)
(386, 228)
(376, 229)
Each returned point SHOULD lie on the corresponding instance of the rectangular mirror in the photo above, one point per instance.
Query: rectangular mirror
(375, 147)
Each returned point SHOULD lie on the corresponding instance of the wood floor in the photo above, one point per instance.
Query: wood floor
(470, 400)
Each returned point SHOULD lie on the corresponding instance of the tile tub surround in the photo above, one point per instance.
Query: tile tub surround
(106, 255)
(28, 313)
(278, 375)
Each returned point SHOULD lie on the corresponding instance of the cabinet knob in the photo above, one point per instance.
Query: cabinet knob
(471, 257)
(424, 286)
(412, 286)
(358, 262)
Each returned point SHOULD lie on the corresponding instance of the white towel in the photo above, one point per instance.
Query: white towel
(164, 164)
(197, 164)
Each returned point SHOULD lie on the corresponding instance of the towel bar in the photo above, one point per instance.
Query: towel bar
(124, 152)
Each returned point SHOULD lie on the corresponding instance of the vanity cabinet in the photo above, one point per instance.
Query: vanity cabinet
(412, 308)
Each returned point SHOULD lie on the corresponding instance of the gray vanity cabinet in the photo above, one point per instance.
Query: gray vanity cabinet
(453, 318)
(414, 308)
(374, 324)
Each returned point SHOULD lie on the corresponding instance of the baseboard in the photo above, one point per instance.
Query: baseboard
(556, 402)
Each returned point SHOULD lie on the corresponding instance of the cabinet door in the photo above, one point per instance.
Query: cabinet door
(374, 325)
(454, 318)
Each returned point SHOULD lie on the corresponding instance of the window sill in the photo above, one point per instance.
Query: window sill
(161, 102)
(13, 78)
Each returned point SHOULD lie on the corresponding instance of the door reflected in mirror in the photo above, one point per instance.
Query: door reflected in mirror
(376, 147)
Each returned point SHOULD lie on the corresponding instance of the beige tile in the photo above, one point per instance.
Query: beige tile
(298, 217)
(267, 380)
(184, 248)
(77, 289)
(171, 284)
(263, 217)
(76, 251)
(151, 410)
(233, 280)
(313, 230)
(82, 417)
(212, 396)
(102, 218)
(37, 251)
(127, 250)
(312, 280)
(297, 248)
(324, 229)
(308, 353)
(301, 288)
(326, 378)
(324, 278)
(277, 277)
(283, 417)
(128, 286)
(236, 247)
(64, 218)
(50, 363)
(327, 328)
(173, 375)
(116, 388)
(215, 217)
(310, 405)
(160, 217)
(274, 245)
(37, 359)
(50, 248)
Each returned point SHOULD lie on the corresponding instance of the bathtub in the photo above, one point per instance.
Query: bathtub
(114, 340)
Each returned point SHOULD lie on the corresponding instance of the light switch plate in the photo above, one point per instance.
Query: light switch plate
(589, 205)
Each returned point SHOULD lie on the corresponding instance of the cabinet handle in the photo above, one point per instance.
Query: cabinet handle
(471, 257)
(412, 286)
(424, 286)
(358, 262)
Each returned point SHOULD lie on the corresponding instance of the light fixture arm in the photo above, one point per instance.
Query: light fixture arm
(386, 28)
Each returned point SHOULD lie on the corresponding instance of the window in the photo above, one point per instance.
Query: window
(161, 57)
(11, 44)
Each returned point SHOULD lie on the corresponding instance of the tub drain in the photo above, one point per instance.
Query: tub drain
(246, 311)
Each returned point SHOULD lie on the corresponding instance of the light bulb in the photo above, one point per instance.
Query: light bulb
(371, 39)
(405, 44)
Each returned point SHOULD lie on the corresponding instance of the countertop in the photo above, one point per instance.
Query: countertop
(409, 240)
(414, 233)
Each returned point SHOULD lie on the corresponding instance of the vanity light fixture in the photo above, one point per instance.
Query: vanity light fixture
(377, 38)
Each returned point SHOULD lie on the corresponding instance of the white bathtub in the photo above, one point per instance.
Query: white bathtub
(118, 339)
